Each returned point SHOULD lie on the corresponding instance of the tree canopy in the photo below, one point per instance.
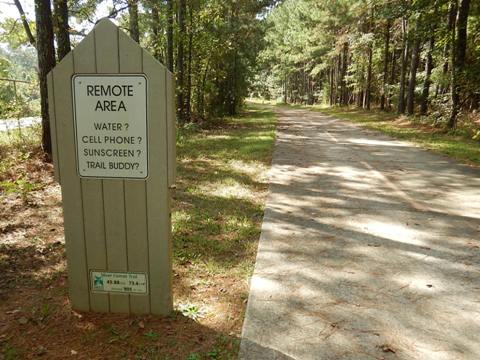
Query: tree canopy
(409, 56)
(413, 56)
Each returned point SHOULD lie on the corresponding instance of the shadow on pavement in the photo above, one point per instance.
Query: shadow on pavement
(369, 249)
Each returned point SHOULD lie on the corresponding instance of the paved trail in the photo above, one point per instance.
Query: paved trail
(13, 124)
(370, 249)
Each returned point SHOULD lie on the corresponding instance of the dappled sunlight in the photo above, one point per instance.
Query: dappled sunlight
(367, 244)
(257, 169)
(388, 230)
(265, 283)
(377, 142)
(229, 191)
(220, 193)
(420, 283)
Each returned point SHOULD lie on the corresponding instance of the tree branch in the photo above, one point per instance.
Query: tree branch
(25, 23)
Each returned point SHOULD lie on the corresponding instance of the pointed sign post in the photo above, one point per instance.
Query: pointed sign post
(113, 137)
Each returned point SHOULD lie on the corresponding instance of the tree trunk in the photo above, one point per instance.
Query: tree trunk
(360, 98)
(170, 35)
(62, 29)
(156, 31)
(232, 105)
(180, 62)
(428, 72)
(392, 79)
(25, 23)
(332, 74)
(368, 90)
(386, 58)
(343, 86)
(403, 68)
(458, 60)
(413, 72)
(201, 97)
(452, 13)
(46, 62)
(337, 80)
(133, 20)
(188, 108)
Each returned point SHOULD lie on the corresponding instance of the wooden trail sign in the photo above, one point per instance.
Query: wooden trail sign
(113, 137)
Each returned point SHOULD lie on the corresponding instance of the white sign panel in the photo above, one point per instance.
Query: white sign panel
(111, 125)
(117, 282)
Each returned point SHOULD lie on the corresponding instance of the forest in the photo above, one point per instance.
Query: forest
(413, 57)
(210, 45)
(336, 141)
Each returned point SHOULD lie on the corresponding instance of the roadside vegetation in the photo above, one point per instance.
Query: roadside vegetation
(210, 45)
(405, 57)
(461, 143)
(217, 212)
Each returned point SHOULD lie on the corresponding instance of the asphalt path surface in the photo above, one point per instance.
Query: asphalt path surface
(13, 124)
(370, 249)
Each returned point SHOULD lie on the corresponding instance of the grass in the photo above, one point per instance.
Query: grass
(217, 209)
(20, 161)
(456, 144)
(217, 212)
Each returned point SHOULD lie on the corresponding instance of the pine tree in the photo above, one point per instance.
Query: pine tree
(46, 62)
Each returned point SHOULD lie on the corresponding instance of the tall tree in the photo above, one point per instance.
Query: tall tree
(452, 14)
(180, 61)
(368, 89)
(155, 24)
(412, 82)
(343, 74)
(403, 66)
(188, 92)
(170, 35)
(133, 20)
(428, 75)
(46, 62)
(392, 79)
(458, 59)
(386, 59)
(62, 29)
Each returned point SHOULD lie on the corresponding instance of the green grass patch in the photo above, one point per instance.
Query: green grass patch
(17, 146)
(20, 160)
(218, 204)
(21, 139)
(217, 213)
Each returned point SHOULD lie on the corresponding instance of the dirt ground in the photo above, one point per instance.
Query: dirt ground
(36, 320)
